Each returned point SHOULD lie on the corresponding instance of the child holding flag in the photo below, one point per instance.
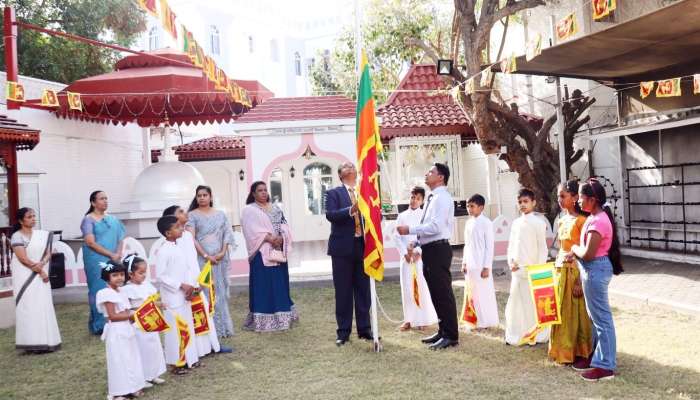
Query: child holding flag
(206, 342)
(477, 263)
(138, 290)
(176, 289)
(124, 371)
(527, 245)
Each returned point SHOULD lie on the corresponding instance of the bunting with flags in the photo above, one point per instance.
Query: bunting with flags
(200, 319)
(149, 6)
(369, 146)
(567, 27)
(167, 17)
(14, 91)
(149, 318)
(470, 86)
(645, 89)
(509, 65)
(183, 333)
(603, 8)
(696, 84)
(668, 88)
(486, 76)
(74, 102)
(49, 98)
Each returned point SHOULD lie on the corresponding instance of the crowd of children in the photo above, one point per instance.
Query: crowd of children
(136, 359)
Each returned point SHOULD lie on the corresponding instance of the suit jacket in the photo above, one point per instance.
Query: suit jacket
(341, 240)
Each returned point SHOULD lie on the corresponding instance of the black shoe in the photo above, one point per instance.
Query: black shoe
(443, 344)
(339, 342)
(431, 339)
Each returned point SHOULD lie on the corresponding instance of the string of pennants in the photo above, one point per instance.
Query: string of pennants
(158, 9)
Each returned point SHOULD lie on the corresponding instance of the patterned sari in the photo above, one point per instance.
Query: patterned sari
(270, 306)
(108, 232)
(573, 337)
(213, 232)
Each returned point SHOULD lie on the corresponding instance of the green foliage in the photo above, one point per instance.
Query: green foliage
(386, 24)
(62, 60)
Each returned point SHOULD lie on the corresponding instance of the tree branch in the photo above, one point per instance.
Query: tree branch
(512, 7)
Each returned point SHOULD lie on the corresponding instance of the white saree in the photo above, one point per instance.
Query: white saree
(36, 326)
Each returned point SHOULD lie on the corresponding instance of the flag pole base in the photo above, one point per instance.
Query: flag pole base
(376, 344)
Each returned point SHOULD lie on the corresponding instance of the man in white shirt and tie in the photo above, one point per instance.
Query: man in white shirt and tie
(434, 232)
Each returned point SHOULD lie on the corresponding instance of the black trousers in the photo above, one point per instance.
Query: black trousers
(351, 283)
(437, 259)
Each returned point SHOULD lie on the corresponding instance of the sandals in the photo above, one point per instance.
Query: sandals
(179, 371)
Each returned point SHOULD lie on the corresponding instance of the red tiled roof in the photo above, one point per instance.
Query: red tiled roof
(279, 109)
(21, 135)
(257, 91)
(412, 109)
(213, 148)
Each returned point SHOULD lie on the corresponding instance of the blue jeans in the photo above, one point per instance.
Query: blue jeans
(595, 278)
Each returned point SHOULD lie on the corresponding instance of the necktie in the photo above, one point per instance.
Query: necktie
(425, 211)
(353, 201)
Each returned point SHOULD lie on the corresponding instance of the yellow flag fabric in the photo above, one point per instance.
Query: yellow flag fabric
(534, 47)
(669, 88)
(645, 89)
(567, 27)
(49, 98)
(74, 102)
(696, 84)
(15, 91)
(183, 330)
(149, 318)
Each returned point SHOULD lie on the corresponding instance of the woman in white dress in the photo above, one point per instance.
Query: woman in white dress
(36, 325)
(418, 309)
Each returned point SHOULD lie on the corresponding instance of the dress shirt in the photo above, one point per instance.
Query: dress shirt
(356, 217)
(439, 218)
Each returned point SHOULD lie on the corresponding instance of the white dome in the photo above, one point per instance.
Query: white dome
(167, 180)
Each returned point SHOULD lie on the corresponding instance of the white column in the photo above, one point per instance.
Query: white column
(146, 146)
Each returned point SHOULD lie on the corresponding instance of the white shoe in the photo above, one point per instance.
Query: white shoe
(147, 385)
(158, 381)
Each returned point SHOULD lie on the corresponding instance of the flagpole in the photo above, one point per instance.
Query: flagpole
(376, 345)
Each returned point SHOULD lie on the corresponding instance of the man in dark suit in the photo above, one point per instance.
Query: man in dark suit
(346, 248)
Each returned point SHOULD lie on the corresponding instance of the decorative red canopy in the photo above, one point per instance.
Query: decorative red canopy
(150, 90)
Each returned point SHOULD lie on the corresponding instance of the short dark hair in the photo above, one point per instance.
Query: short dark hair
(166, 223)
(418, 190)
(477, 199)
(170, 210)
(111, 267)
(525, 192)
(443, 170)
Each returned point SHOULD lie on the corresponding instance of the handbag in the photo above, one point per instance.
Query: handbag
(277, 256)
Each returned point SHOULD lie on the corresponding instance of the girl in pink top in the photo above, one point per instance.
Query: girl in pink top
(598, 254)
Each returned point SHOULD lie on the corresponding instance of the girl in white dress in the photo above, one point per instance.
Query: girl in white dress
(124, 370)
(138, 289)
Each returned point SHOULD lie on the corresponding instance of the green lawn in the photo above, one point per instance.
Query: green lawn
(659, 358)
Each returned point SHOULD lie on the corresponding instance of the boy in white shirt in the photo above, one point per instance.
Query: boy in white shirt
(527, 246)
(176, 288)
(208, 342)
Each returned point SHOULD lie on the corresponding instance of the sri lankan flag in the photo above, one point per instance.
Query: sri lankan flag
(696, 84)
(199, 315)
(148, 316)
(167, 17)
(567, 27)
(74, 102)
(183, 332)
(14, 92)
(668, 88)
(602, 8)
(149, 6)
(468, 312)
(645, 89)
(369, 146)
(49, 98)
(206, 280)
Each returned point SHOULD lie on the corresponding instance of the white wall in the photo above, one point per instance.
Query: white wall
(75, 158)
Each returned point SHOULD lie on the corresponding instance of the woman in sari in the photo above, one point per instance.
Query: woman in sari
(213, 239)
(36, 327)
(103, 235)
(570, 341)
(268, 241)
